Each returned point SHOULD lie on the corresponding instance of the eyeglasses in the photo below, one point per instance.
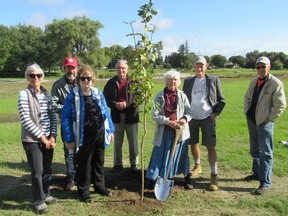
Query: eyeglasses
(121, 68)
(85, 78)
(260, 67)
(35, 75)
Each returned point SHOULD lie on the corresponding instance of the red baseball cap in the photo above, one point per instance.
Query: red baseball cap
(70, 61)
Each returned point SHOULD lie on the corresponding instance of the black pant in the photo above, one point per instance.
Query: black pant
(40, 162)
(90, 160)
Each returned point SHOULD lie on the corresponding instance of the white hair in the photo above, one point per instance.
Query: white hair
(171, 74)
(33, 67)
(121, 61)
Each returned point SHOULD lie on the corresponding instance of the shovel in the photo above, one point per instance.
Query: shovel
(163, 187)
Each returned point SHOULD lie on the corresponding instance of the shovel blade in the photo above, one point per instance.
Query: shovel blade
(163, 188)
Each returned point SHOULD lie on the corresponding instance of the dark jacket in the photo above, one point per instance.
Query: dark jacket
(111, 92)
(214, 92)
(60, 89)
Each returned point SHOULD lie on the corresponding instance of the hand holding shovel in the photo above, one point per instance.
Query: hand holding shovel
(163, 187)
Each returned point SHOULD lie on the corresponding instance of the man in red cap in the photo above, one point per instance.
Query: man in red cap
(59, 92)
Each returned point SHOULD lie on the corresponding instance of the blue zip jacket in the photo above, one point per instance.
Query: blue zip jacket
(72, 116)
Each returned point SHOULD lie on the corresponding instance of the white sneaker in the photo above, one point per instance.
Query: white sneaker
(51, 200)
(41, 209)
(284, 142)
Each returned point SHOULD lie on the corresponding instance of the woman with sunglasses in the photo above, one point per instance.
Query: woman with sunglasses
(39, 130)
(87, 129)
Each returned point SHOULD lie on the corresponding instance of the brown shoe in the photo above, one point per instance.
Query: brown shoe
(197, 169)
(214, 182)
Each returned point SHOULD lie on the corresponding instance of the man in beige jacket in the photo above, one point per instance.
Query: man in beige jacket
(264, 101)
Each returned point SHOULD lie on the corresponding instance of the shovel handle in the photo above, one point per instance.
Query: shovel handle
(178, 132)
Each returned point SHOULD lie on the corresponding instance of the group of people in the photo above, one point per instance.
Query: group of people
(87, 126)
(194, 108)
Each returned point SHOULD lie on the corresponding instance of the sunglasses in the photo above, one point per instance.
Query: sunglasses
(260, 67)
(85, 78)
(35, 75)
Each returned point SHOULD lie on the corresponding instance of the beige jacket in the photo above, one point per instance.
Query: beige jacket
(271, 102)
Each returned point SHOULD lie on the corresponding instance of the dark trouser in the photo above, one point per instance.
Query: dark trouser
(40, 161)
(68, 154)
(90, 160)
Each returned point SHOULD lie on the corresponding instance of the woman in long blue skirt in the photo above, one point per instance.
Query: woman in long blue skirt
(171, 110)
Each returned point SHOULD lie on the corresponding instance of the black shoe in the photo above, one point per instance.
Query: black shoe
(70, 183)
(117, 168)
(251, 178)
(134, 168)
(261, 190)
(150, 184)
(103, 192)
(86, 199)
(188, 183)
(84, 196)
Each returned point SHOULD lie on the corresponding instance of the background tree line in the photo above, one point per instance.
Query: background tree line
(184, 59)
(22, 45)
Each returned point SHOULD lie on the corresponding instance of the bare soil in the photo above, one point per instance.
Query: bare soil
(126, 189)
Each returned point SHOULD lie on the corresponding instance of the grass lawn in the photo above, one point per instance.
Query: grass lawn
(234, 163)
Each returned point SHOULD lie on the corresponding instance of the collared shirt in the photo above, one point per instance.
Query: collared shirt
(122, 90)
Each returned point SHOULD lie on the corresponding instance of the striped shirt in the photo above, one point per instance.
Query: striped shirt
(28, 124)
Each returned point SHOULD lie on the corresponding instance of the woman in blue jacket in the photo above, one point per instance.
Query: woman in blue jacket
(87, 129)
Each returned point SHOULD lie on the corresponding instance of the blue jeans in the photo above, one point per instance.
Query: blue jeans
(69, 159)
(261, 150)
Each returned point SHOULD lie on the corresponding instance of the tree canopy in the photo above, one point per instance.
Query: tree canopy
(22, 45)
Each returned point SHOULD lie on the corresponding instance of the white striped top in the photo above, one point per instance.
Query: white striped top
(28, 124)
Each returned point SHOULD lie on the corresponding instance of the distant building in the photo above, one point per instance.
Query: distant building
(229, 65)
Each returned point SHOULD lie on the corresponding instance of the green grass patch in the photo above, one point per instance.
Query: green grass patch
(234, 162)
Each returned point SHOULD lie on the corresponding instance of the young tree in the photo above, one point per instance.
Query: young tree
(144, 58)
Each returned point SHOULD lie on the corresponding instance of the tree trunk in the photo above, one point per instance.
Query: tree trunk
(142, 151)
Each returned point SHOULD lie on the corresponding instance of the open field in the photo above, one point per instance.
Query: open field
(234, 163)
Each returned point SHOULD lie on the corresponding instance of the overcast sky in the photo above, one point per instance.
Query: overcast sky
(226, 27)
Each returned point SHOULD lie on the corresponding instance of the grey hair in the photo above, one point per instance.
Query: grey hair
(33, 67)
(121, 61)
(171, 74)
